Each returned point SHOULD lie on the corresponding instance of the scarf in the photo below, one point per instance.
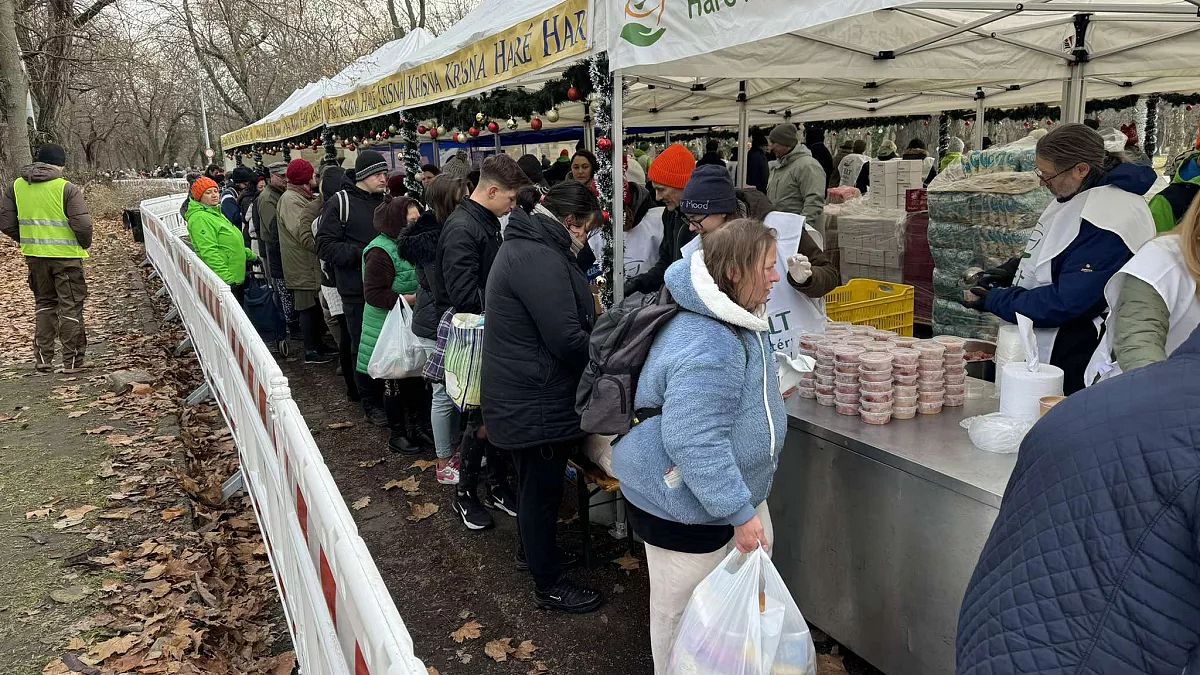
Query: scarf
(576, 245)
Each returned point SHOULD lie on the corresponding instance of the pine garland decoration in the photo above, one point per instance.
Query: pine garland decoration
(602, 83)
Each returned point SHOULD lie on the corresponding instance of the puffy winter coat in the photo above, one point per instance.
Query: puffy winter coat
(712, 372)
(394, 274)
(218, 243)
(298, 248)
(267, 208)
(418, 245)
(540, 314)
(347, 226)
(467, 248)
(797, 185)
(1093, 564)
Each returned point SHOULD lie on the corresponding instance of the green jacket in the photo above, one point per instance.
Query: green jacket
(403, 283)
(1143, 322)
(297, 244)
(948, 159)
(218, 243)
(797, 185)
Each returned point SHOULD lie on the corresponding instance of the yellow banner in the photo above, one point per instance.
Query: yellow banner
(373, 100)
(243, 136)
(554, 35)
(306, 119)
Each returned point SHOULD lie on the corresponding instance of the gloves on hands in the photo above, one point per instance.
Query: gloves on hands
(976, 299)
(799, 268)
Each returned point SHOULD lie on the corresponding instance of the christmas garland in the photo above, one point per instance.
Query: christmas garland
(602, 83)
(412, 158)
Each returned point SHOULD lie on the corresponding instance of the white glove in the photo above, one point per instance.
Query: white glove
(799, 268)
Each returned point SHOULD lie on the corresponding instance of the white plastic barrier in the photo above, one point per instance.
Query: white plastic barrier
(340, 614)
(152, 183)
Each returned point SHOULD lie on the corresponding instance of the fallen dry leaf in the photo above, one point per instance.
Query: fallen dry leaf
(141, 389)
(38, 514)
(341, 425)
(117, 645)
(119, 440)
(73, 517)
(430, 670)
(154, 572)
(499, 649)
(372, 462)
(419, 512)
(98, 430)
(538, 668)
(117, 514)
(285, 663)
(830, 664)
(76, 643)
(525, 650)
(628, 562)
(422, 464)
(470, 630)
(361, 503)
(409, 485)
(56, 667)
(173, 513)
(76, 413)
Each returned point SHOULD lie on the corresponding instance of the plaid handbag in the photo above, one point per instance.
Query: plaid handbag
(435, 370)
(463, 360)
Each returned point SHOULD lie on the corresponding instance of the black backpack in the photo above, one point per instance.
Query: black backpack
(618, 348)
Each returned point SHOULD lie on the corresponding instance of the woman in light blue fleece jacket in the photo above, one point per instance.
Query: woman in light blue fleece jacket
(696, 476)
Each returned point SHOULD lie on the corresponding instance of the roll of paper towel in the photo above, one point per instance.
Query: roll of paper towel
(1009, 349)
(1023, 388)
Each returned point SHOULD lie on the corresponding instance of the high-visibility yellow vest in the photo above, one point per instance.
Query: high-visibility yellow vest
(45, 230)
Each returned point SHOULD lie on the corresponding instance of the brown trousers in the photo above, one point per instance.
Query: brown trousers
(58, 291)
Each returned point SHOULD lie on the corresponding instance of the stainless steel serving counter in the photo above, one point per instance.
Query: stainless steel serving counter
(878, 528)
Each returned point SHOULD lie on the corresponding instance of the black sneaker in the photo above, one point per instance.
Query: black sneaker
(570, 597)
(566, 559)
(500, 497)
(473, 515)
(398, 442)
(315, 357)
(375, 416)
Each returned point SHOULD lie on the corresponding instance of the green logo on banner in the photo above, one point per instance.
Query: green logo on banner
(640, 35)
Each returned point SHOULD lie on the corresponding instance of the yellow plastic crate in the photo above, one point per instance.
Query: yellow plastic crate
(882, 304)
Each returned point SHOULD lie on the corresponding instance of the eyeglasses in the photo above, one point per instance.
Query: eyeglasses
(1046, 181)
(696, 218)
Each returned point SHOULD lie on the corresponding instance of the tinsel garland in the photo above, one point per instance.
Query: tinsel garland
(1150, 142)
(602, 84)
(412, 158)
(943, 135)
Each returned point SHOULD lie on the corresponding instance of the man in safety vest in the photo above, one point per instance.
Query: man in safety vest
(50, 219)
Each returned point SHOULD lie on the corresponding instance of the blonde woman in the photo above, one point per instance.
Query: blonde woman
(697, 469)
(1153, 300)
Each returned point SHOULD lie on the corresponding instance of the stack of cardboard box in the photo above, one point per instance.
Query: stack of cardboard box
(891, 181)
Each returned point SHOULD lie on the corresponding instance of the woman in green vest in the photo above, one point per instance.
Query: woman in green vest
(386, 277)
(216, 241)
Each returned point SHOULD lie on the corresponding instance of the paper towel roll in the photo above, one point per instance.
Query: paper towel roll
(1009, 349)
(1023, 389)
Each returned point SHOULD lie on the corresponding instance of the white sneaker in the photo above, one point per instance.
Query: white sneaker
(447, 475)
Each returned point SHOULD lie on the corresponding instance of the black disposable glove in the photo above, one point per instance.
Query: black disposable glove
(999, 277)
(979, 303)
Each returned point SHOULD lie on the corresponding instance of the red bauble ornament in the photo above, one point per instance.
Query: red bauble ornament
(604, 144)
(1027, 125)
(573, 94)
(371, 134)
(967, 124)
(352, 147)
(474, 131)
(1188, 107)
(421, 128)
(433, 133)
(535, 124)
(926, 122)
(493, 126)
(384, 135)
(1049, 123)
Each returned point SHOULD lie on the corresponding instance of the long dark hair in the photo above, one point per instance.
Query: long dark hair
(570, 198)
(443, 195)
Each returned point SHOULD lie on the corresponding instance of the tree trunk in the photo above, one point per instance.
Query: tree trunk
(14, 96)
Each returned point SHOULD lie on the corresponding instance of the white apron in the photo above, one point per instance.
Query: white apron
(1160, 264)
(1107, 207)
(789, 312)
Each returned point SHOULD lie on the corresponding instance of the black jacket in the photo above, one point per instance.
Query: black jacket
(466, 249)
(347, 226)
(418, 245)
(758, 169)
(676, 235)
(535, 345)
(821, 153)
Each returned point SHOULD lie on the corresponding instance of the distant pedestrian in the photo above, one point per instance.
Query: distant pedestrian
(218, 244)
(49, 218)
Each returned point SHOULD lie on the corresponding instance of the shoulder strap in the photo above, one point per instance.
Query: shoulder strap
(343, 206)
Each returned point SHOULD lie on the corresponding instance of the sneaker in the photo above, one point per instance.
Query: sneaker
(473, 515)
(376, 416)
(447, 475)
(570, 597)
(500, 497)
(566, 560)
(315, 357)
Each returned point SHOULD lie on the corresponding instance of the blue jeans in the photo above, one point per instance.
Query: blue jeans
(443, 416)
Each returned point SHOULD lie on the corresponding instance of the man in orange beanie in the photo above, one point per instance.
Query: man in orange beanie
(670, 173)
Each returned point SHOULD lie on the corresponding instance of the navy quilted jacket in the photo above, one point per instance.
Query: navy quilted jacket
(1093, 565)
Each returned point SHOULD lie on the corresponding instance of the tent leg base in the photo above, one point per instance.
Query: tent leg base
(203, 393)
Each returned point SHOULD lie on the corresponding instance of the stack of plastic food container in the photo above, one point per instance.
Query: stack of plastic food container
(875, 387)
(905, 365)
(808, 347)
(846, 386)
(931, 377)
(823, 374)
(955, 364)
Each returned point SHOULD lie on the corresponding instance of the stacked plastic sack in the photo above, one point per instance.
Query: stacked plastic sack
(981, 211)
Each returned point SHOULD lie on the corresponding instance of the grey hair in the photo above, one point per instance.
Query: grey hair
(1069, 144)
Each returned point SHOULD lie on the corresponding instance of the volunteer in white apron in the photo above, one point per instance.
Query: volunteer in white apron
(1153, 303)
(709, 202)
(1098, 220)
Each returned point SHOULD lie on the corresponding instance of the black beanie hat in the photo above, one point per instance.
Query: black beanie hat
(368, 164)
(709, 191)
(51, 153)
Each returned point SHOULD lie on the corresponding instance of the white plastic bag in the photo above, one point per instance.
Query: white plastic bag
(397, 353)
(742, 620)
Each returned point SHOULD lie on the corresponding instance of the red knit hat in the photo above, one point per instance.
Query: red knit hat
(203, 184)
(299, 172)
(673, 167)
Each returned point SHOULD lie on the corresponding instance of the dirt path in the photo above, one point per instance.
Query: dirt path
(110, 559)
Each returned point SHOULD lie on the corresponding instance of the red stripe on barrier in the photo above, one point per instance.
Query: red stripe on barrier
(302, 512)
(329, 588)
(360, 663)
(262, 411)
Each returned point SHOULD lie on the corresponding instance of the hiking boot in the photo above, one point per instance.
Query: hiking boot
(399, 442)
(413, 429)
(500, 497)
(311, 357)
(77, 368)
(566, 560)
(447, 475)
(473, 515)
(570, 597)
(43, 367)
(374, 415)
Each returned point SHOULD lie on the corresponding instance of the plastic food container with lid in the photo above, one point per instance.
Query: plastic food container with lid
(930, 349)
(875, 387)
(875, 361)
(899, 413)
(875, 376)
(849, 409)
(876, 406)
(876, 417)
(952, 343)
(848, 353)
(876, 396)
(905, 380)
(929, 408)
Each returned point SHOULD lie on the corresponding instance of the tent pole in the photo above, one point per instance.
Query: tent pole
(589, 129)
(1073, 95)
(743, 134)
(980, 113)
(667, 137)
(618, 181)
(499, 146)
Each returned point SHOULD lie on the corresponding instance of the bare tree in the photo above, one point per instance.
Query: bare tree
(14, 94)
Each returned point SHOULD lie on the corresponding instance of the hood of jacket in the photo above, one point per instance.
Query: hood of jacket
(40, 172)
(418, 242)
(915, 153)
(1133, 178)
(797, 152)
(537, 227)
(695, 290)
(195, 207)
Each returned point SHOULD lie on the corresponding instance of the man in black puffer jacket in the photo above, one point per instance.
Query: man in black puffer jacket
(347, 226)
